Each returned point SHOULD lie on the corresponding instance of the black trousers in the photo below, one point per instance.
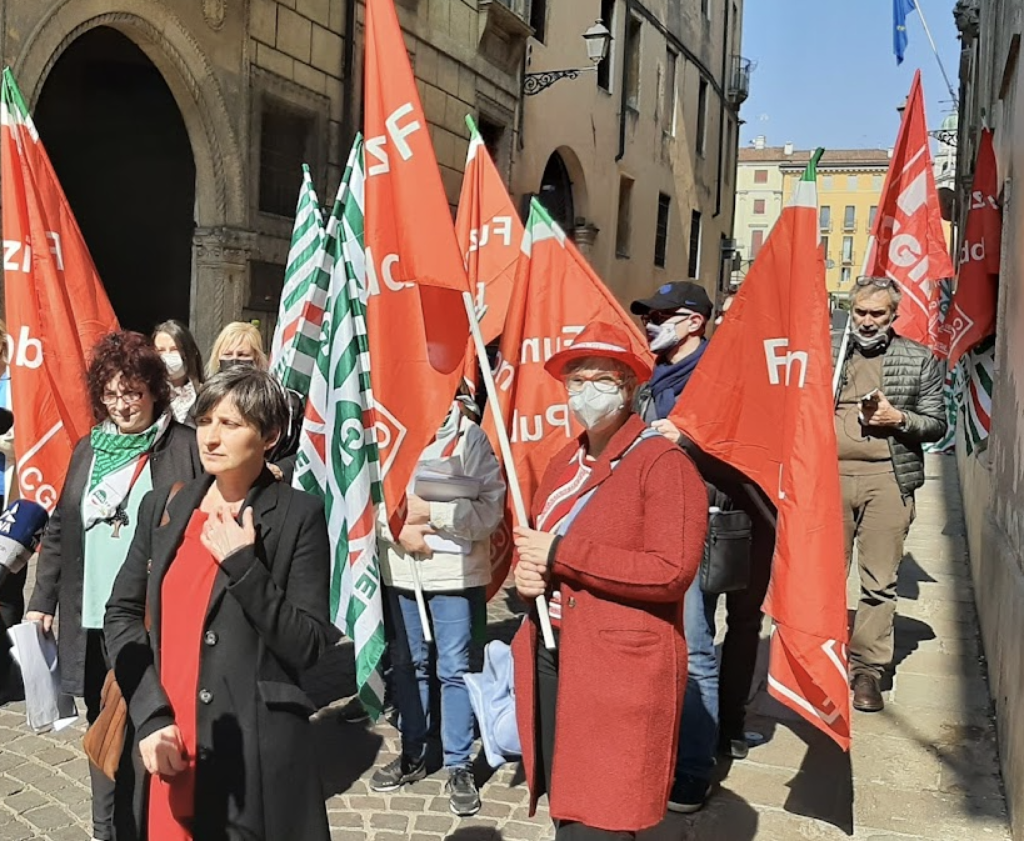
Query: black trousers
(547, 695)
(12, 609)
(96, 667)
(743, 634)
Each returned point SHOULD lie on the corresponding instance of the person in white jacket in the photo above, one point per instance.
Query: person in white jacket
(450, 543)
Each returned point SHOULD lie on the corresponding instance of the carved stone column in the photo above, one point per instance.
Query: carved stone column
(584, 236)
(220, 280)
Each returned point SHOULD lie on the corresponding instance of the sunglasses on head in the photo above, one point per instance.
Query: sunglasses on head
(880, 282)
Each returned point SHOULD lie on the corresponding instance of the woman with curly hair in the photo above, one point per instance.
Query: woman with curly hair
(135, 446)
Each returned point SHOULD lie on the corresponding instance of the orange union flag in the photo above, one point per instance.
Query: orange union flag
(909, 244)
(416, 318)
(57, 308)
(556, 295)
(490, 236)
(771, 418)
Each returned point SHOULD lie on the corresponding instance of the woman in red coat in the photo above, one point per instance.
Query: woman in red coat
(619, 523)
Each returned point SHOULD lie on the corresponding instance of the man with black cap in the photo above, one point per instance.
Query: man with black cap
(675, 319)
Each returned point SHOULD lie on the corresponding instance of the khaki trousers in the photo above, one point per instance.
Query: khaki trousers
(878, 518)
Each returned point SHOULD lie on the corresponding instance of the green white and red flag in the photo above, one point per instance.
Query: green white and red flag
(56, 306)
(772, 419)
(296, 341)
(337, 457)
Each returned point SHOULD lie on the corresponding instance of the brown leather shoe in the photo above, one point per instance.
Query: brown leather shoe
(867, 694)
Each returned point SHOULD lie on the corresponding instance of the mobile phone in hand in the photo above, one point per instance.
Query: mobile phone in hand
(870, 398)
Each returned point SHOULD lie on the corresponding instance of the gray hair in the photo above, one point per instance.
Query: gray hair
(259, 398)
(870, 285)
(588, 362)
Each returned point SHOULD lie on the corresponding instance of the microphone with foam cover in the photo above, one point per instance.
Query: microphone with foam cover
(21, 527)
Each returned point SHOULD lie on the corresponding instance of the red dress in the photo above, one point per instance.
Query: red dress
(184, 595)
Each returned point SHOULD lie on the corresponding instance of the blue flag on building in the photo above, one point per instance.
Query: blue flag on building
(900, 10)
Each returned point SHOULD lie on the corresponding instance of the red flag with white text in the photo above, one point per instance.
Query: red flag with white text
(556, 294)
(972, 313)
(761, 401)
(56, 306)
(416, 318)
(909, 244)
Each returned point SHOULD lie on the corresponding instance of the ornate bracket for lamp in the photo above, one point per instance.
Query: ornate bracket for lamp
(534, 83)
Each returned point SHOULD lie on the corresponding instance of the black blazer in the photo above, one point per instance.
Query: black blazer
(267, 621)
(60, 568)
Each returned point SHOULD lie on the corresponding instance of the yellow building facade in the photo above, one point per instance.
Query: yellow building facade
(850, 183)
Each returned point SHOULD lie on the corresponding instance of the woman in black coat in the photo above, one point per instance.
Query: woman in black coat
(233, 572)
(136, 445)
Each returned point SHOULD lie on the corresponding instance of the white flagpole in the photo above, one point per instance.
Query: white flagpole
(942, 67)
(518, 505)
(421, 602)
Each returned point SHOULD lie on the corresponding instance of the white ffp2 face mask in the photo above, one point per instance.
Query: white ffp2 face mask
(175, 364)
(596, 409)
(661, 337)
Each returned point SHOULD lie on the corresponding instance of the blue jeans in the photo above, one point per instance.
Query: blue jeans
(451, 618)
(698, 729)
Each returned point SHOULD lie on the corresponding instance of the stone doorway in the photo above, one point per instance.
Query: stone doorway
(120, 148)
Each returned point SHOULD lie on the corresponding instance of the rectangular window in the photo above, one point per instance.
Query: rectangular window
(759, 206)
(730, 150)
(624, 228)
(824, 246)
(851, 183)
(604, 69)
(876, 183)
(847, 249)
(695, 233)
(539, 19)
(285, 144)
(825, 218)
(661, 232)
(760, 176)
(827, 182)
(668, 102)
(756, 241)
(849, 217)
(844, 275)
(871, 217)
(632, 63)
(702, 116)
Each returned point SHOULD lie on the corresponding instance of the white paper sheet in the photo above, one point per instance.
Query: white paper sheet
(47, 708)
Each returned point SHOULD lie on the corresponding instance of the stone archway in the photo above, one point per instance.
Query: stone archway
(221, 244)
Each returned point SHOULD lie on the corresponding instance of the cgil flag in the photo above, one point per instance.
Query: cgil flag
(972, 313)
(293, 350)
(337, 457)
(900, 10)
(490, 236)
(416, 316)
(556, 295)
(908, 244)
(56, 306)
(772, 420)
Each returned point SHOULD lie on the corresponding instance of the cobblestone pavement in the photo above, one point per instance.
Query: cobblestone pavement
(925, 769)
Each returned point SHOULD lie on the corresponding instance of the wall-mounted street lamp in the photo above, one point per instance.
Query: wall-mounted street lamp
(597, 39)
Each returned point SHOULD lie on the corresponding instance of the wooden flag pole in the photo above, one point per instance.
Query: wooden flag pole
(518, 505)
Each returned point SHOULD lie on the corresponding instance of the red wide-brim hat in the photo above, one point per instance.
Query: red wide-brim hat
(608, 341)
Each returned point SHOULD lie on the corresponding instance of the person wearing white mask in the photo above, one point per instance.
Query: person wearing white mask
(619, 520)
(184, 362)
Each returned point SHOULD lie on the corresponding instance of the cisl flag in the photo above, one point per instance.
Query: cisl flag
(490, 235)
(416, 318)
(972, 314)
(556, 295)
(57, 308)
(908, 243)
(771, 418)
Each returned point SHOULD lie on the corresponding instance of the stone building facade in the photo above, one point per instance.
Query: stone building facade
(992, 92)
(637, 159)
(177, 128)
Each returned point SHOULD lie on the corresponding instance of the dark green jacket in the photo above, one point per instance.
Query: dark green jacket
(912, 380)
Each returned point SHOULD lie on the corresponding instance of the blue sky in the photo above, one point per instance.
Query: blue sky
(826, 74)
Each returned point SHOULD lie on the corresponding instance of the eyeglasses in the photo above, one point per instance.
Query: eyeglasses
(880, 282)
(659, 318)
(130, 398)
(605, 383)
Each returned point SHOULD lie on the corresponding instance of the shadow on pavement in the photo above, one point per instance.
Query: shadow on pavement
(726, 817)
(344, 751)
(911, 576)
(475, 833)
